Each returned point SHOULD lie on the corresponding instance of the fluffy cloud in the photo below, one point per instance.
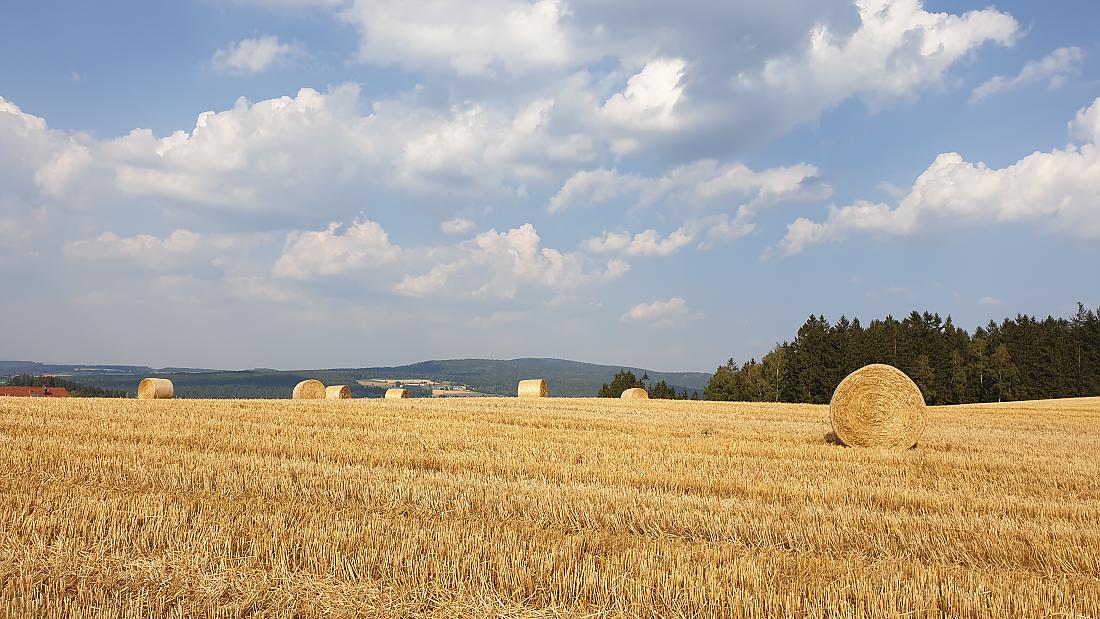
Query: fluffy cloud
(696, 185)
(471, 38)
(897, 49)
(311, 153)
(647, 243)
(295, 4)
(1085, 126)
(689, 193)
(37, 163)
(29, 148)
(254, 55)
(725, 76)
(492, 265)
(662, 312)
(495, 264)
(1054, 68)
(458, 225)
(1058, 188)
(180, 248)
(649, 98)
(363, 245)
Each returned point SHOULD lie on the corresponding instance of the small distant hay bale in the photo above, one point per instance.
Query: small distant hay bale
(878, 406)
(309, 390)
(397, 394)
(337, 392)
(635, 393)
(156, 389)
(533, 388)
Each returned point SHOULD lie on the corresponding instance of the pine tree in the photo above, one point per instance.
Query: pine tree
(723, 384)
(622, 381)
(1005, 371)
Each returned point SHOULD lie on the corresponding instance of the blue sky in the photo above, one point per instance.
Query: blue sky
(323, 183)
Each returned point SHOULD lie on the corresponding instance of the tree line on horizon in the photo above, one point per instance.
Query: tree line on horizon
(74, 389)
(1019, 359)
(660, 390)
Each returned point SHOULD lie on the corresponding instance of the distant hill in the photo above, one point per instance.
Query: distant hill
(498, 377)
(566, 378)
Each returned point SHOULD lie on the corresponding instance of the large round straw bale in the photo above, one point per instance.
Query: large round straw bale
(155, 389)
(635, 393)
(533, 388)
(337, 392)
(878, 406)
(397, 394)
(309, 390)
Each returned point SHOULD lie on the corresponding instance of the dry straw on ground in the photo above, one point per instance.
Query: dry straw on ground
(555, 508)
(337, 392)
(396, 394)
(635, 393)
(878, 406)
(155, 389)
(309, 390)
(533, 388)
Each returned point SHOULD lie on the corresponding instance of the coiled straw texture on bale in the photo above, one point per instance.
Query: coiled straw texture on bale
(635, 393)
(397, 394)
(878, 406)
(155, 389)
(309, 390)
(337, 392)
(533, 388)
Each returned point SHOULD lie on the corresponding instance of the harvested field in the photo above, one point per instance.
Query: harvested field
(542, 508)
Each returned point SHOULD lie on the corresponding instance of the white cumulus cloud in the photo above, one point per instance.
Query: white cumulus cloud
(650, 96)
(705, 182)
(1054, 68)
(1060, 189)
(456, 226)
(662, 312)
(496, 264)
(647, 243)
(898, 48)
(254, 55)
(362, 245)
(178, 249)
(471, 38)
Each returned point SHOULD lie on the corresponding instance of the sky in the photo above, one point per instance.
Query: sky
(347, 183)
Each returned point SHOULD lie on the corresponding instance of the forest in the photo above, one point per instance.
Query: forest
(75, 389)
(1019, 359)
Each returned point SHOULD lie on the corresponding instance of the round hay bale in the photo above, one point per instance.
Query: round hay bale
(156, 389)
(397, 394)
(309, 390)
(337, 392)
(635, 393)
(878, 406)
(533, 388)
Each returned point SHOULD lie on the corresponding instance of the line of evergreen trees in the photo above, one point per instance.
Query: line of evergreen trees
(75, 389)
(660, 390)
(1019, 359)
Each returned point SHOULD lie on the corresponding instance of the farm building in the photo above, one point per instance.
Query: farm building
(34, 392)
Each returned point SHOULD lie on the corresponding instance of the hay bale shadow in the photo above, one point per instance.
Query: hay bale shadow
(832, 439)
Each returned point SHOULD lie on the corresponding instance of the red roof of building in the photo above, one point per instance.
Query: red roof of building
(35, 392)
